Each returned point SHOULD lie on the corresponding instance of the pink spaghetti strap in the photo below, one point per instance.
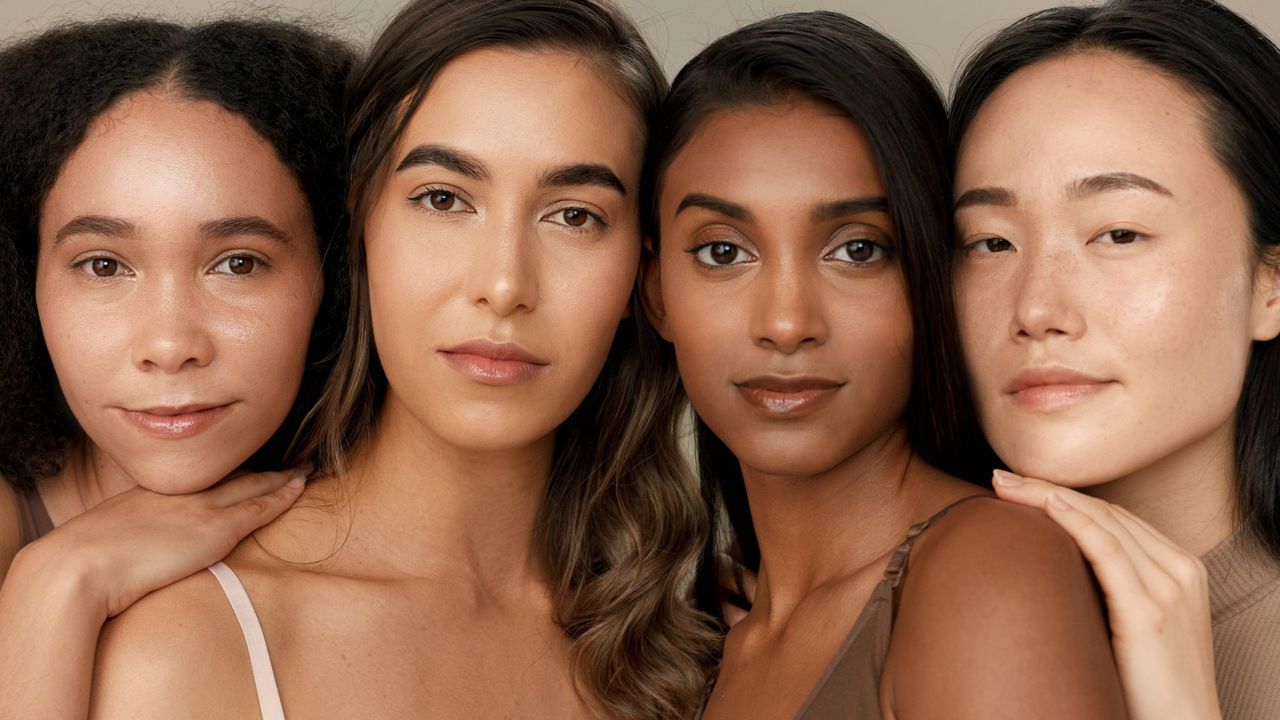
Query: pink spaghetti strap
(264, 678)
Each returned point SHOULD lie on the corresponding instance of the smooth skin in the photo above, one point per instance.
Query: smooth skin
(165, 278)
(1101, 235)
(410, 585)
(777, 258)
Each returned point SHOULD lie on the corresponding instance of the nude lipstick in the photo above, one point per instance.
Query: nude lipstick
(492, 363)
(177, 421)
(793, 396)
(1048, 389)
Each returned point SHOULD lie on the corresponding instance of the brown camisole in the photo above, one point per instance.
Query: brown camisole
(850, 687)
(33, 518)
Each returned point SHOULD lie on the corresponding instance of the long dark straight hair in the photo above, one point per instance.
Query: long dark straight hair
(839, 61)
(1235, 70)
(621, 527)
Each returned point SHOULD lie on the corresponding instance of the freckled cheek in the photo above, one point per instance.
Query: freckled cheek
(983, 312)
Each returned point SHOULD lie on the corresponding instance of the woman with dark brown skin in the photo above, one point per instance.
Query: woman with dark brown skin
(801, 273)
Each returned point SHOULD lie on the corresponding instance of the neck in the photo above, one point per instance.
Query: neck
(424, 507)
(809, 527)
(88, 478)
(1189, 496)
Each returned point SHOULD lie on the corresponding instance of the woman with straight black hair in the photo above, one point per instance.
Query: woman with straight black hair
(1119, 298)
(801, 270)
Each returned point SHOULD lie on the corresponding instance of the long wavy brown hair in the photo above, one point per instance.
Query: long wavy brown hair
(622, 523)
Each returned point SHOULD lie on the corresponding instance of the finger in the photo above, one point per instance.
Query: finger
(1020, 489)
(1109, 557)
(250, 485)
(1183, 567)
(732, 613)
(252, 513)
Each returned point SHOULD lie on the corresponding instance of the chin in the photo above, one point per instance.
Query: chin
(1076, 465)
(178, 473)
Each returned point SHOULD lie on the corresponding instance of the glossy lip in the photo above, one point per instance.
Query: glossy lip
(172, 422)
(788, 396)
(493, 363)
(1053, 388)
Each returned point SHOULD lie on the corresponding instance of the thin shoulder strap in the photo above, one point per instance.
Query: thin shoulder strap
(264, 678)
(898, 563)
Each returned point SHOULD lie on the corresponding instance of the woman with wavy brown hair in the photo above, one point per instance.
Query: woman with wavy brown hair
(502, 524)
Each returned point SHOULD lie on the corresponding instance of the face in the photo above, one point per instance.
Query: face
(176, 285)
(1107, 288)
(502, 248)
(777, 283)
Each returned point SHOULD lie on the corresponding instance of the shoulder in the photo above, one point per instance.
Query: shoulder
(176, 650)
(999, 617)
(10, 527)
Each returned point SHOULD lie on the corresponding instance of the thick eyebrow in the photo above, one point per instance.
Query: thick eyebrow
(714, 204)
(1093, 185)
(445, 157)
(1000, 197)
(848, 206)
(247, 225)
(583, 174)
(95, 225)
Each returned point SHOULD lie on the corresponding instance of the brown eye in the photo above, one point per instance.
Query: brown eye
(240, 265)
(1121, 237)
(575, 217)
(104, 267)
(859, 252)
(719, 254)
(442, 200)
(724, 253)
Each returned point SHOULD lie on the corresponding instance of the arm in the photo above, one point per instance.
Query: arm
(62, 588)
(1157, 600)
(998, 618)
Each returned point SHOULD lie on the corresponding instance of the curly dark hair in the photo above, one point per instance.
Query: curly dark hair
(288, 82)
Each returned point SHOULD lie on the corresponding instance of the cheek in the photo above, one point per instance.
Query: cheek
(707, 329)
(982, 312)
(586, 294)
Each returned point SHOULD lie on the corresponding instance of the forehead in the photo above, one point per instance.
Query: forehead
(546, 107)
(796, 148)
(1086, 112)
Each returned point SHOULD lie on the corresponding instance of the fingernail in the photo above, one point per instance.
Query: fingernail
(296, 482)
(1006, 479)
(1057, 502)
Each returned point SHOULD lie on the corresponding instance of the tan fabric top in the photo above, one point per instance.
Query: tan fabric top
(1244, 599)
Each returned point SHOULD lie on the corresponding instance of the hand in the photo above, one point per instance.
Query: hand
(1157, 598)
(140, 541)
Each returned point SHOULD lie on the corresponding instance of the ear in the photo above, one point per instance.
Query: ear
(651, 289)
(1266, 298)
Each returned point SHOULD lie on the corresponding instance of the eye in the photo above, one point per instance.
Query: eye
(859, 252)
(103, 267)
(1119, 236)
(989, 246)
(238, 265)
(574, 217)
(721, 254)
(441, 200)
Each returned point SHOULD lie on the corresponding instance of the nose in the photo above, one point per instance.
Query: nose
(1044, 306)
(172, 329)
(503, 274)
(788, 313)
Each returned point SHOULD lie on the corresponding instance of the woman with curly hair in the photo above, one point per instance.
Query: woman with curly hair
(502, 525)
(168, 241)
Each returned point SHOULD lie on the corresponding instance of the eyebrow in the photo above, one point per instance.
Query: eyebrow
(583, 174)
(1077, 190)
(1107, 182)
(246, 225)
(716, 205)
(848, 206)
(445, 157)
(95, 225)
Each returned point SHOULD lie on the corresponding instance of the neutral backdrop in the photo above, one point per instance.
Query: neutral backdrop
(937, 31)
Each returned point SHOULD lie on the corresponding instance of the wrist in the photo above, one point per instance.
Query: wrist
(57, 578)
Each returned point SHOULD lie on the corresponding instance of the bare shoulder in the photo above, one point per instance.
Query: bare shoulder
(10, 527)
(177, 652)
(999, 618)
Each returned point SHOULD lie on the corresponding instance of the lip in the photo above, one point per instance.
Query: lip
(1053, 388)
(173, 422)
(493, 363)
(788, 396)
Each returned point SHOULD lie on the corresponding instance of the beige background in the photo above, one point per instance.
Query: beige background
(937, 31)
